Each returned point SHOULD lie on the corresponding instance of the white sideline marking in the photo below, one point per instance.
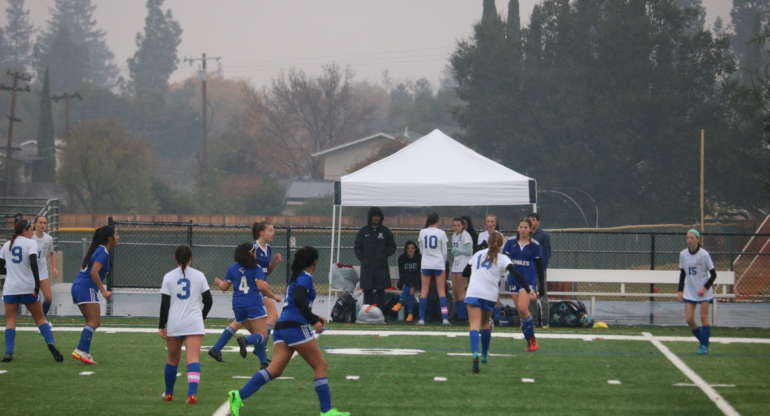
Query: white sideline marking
(467, 354)
(693, 385)
(352, 378)
(285, 378)
(616, 382)
(86, 373)
(242, 377)
(527, 380)
(178, 374)
(440, 379)
(712, 394)
(222, 410)
(3, 371)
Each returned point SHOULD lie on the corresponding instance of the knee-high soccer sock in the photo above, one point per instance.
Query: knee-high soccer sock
(258, 380)
(46, 307)
(461, 311)
(169, 375)
(47, 333)
(423, 308)
(474, 338)
(444, 307)
(223, 339)
(705, 335)
(409, 304)
(324, 394)
(85, 339)
(193, 378)
(10, 340)
(697, 333)
(404, 295)
(259, 346)
(486, 339)
(528, 328)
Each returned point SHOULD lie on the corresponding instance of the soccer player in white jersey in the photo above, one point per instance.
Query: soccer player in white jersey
(696, 278)
(18, 257)
(45, 256)
(462, 250)
(183, 291)
(490, 224)
(433, 246)
(486, 268)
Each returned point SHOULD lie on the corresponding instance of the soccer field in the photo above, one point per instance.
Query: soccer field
(395, 371)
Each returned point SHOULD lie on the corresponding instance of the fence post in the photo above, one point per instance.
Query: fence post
(652, 285)
(287, 262)
(111, 275)
(190, 234)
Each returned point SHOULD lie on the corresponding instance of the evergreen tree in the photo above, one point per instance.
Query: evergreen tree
(156, 56)
(67, 60)
(18, 36)
(46, 168)
(749, 18)
(513, 32)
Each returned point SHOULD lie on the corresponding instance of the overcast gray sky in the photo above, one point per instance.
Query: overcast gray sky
(259, 38)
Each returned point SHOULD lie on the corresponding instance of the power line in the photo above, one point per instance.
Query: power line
(14, 88)
(66, 97)
(204, 110)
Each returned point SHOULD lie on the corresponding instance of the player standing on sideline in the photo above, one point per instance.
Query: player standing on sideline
(245, 277)
(462, 250)
(696, 279)
(408, 278)
(542, 237)
(490, 224)
(45, 256)
(263, 233)
(374, 244)
(525, 254)
(181, 321)
(18, 257)
(293, 332)
(433, 246)
(89, 283)
(485, 269)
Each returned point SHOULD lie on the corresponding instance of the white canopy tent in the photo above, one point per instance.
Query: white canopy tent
(435, 170)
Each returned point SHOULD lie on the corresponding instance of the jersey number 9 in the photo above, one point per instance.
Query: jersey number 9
(16, 252)
(185, 287)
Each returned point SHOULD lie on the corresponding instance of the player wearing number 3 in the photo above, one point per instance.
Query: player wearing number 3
(183, 291)
(696, 278)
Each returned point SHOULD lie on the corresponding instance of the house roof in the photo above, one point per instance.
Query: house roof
(300, 190)
(353, 143)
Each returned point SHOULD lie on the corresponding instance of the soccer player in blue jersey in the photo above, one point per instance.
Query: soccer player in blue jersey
(696, 287)
(294, 333)
(18, 256)
(526, 256)
(245, 277)
(89, 283)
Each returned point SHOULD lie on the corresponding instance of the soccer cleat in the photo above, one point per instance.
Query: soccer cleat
(55, 353)
(242, 344)
(396, 307)
(335, 412)
(7, 358)
(83, 357)
(216, 355)
(167, 397)
(476, 363)
(484, 358)
(421, 322)
(446, 322)
(192, 399)
(532, 345)
(234, 397)
(702, 350)
(409, 318)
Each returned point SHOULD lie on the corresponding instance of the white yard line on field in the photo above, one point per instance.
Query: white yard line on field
(712, 394)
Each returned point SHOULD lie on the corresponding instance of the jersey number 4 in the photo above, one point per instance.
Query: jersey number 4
(431, 241)
(184, 286)
(16, 252)
(244, 285)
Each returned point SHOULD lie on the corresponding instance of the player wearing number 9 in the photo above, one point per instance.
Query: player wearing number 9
(245, 277)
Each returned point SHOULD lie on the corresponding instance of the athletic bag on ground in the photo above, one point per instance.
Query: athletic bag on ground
(570, 313)
(344, 309)
(344, 277)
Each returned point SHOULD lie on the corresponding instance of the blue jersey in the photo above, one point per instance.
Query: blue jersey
(264, 256)
(244, 280)
(100, 255)
(523, 258)
(290, 311)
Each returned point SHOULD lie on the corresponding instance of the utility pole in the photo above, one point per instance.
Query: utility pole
(204, 102)
(66, 97)
(17, 76)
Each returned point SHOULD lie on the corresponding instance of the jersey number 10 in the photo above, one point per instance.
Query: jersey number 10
(431, 241)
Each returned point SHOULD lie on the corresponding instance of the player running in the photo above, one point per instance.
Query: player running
(18, 256)
(45, 256)
(433, 246)
(89, 283)
(183, 291)
(696, 280)
(294, 332)
(526, 256)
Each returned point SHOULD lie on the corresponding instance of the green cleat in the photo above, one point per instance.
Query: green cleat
(335, 412)
(235, 402)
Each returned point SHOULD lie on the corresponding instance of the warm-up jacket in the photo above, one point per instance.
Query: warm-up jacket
(374, 244)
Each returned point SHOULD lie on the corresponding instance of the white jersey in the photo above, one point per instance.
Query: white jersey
(486, 276)
(696, 268)
(44, 247)
(19, 280)
(484, 237)
(185, 317)
(464, 243)
(433, 247)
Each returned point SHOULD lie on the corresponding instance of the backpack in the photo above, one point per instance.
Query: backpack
(344, 309)
(570, 313)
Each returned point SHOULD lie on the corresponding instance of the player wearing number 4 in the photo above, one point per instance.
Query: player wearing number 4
(696, 280)
(183, 291)
(433, 246)
(485, 270)
(248, 307)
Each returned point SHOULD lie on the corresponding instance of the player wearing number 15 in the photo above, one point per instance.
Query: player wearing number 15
(183, 291)
(696, 281)
(433, 246)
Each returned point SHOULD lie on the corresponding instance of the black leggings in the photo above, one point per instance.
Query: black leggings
(374, 297)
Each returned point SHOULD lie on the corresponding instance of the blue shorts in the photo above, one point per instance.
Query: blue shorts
(293, 336)
(248, 313)
(20, 299)
(697, 302)
(514, 287)
(84, 294)
(431, 272)
(485, 305)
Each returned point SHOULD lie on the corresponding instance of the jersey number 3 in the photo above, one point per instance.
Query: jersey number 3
(184, 284)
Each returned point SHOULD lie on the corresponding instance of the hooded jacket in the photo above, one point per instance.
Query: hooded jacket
(374, 244)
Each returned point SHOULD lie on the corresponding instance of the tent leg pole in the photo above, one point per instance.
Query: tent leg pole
(331, 256)
(339, 232)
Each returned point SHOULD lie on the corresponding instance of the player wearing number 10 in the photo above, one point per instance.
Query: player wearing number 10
(433, 246)
(181, 321)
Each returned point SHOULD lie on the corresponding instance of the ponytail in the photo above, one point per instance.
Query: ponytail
(495, 242)
(431, 220)
(303, 258)
(244, 257)
(18, 229)
(183, 255)
(101, 236)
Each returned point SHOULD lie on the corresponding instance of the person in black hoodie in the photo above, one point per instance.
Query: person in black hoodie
(408, 278)
(374, 244)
